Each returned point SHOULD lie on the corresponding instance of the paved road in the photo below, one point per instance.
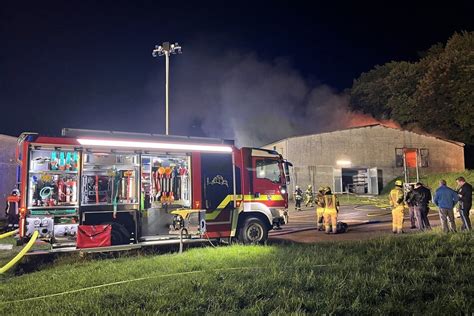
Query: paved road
(364, 222)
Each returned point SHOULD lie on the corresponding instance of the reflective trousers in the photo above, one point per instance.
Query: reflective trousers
(465, 212)
(298, 204)
(330, 221)
(397, 219)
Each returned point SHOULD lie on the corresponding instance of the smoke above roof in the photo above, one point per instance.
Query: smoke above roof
(253, 100)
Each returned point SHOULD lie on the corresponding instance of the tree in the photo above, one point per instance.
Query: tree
(446, 91)
(436, 93)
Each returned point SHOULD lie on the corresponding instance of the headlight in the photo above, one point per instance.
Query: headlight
(282, 191)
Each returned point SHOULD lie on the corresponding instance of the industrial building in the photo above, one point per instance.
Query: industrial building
(7, 169)
(364, 159)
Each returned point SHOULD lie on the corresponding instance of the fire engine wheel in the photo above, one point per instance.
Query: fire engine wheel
(254, 231)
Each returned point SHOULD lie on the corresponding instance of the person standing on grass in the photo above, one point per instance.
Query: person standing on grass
(465, 202)
(397, 203)
(445, 198)
(423, 198)
(410, 201)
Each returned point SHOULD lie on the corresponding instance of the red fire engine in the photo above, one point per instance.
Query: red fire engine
(90, 189)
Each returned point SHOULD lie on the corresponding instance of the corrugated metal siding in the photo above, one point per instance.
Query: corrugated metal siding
(315, 156)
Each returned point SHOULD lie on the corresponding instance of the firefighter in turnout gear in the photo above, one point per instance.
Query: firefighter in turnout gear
(298, 194)
(309, 196)
(320, 208)
(331, 208)
(398, 207)
(12, 209)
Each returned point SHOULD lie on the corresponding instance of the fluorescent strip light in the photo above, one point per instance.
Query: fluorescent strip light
(150, 145)
(344, 162)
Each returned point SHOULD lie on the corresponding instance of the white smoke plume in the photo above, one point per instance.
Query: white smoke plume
(254, 101)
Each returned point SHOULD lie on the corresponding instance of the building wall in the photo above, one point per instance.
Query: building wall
(7, 169)
(315, 156)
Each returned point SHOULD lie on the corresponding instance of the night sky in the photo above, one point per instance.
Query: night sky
(88, 65)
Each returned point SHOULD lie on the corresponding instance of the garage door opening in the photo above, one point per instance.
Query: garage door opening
(358, 180)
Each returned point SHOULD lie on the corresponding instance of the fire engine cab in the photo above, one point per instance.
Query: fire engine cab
(92, 189)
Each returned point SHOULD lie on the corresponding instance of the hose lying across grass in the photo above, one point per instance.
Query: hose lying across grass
(172, 275)
(126, 281)
(20, 254)
(8, 234)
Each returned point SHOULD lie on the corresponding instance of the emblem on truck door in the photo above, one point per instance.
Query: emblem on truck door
(218, 180)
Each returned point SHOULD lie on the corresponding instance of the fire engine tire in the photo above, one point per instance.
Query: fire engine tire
(253, 231)
(119, 234)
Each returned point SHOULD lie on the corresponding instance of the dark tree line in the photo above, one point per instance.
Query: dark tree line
(436, 93)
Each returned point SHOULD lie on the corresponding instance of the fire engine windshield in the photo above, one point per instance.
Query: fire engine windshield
(268, 169)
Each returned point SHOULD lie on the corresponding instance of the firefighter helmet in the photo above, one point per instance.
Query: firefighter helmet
(399, 183)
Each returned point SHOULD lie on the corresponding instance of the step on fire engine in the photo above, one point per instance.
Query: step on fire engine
(93, 189)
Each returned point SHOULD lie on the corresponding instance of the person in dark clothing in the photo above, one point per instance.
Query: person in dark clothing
(465, 202)
(423, 198)
(410, 200)
(298, 194)
(445, 198)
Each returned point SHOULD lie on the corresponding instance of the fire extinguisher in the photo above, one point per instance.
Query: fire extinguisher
(62, 196)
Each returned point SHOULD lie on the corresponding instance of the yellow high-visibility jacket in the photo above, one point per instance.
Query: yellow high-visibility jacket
(396, 197)
(331, 204)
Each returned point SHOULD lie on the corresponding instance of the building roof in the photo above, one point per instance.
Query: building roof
(369, 126)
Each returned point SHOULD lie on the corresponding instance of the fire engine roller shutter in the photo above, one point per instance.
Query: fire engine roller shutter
(217, 182)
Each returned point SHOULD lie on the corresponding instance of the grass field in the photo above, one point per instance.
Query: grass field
(432, 180)
(380, 201)
(427, 273)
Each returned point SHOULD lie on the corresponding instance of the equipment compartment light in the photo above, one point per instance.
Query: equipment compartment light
(151, 145)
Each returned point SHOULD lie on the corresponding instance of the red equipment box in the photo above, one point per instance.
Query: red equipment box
(92, 236)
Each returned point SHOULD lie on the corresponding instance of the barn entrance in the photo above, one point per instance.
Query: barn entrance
(358, 180)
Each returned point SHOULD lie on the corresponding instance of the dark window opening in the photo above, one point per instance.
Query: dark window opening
(424, 158)
(399, 157)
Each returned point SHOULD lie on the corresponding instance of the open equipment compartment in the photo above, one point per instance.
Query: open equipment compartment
(109, 179)
(53, 195)
(109, 192)
(166, 189)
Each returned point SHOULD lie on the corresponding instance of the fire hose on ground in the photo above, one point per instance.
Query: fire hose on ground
(21, 253)
(8, 234)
